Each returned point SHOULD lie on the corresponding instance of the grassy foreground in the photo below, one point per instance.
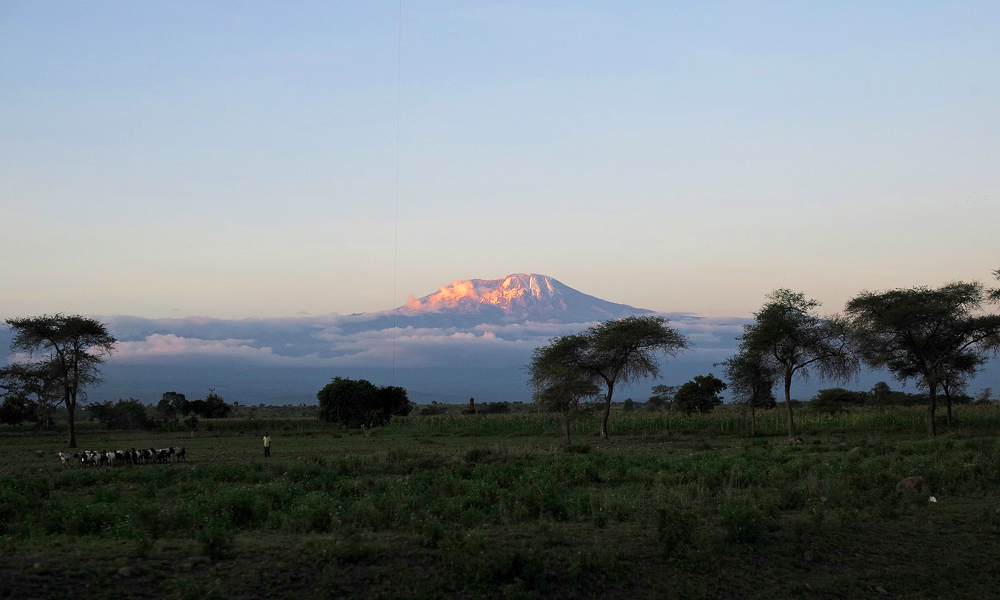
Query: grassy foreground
(501, 507)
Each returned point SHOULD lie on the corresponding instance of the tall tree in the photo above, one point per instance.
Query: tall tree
(626, 350)
(621, 351)
(934, 336)
(69, 348)
(557, 379)
(796, 341)
(751, 381)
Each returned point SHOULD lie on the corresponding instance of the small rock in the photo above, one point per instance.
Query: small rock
(881, 590)
(932, 499)
(126, 571)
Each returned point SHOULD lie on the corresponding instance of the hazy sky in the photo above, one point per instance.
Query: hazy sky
(265, 159)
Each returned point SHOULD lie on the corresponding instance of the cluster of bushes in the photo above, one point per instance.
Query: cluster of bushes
(839, 399)
(123, 414)
(488, 408)
(133, 414)
(702, 394)
(359, 403)
(173, 406)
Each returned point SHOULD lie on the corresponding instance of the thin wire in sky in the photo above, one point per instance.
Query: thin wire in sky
(395, 232)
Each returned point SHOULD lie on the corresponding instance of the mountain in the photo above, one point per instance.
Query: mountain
(518, 297)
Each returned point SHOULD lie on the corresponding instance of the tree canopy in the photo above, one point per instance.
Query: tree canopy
(662, 397)
(173, 405)
(751, 382)
(359, 403)
(793, 340)
(558, 380)
(935, 336)
(66, 353)
(618, 351)
(701, 394)
(751, 379)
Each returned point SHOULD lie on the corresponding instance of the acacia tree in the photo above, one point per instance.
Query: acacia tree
(70, 348)
(557, 379)
(751, 382)
(794, 341)
(626, 350)
(622, 351)
(934, 336)
(662, 397)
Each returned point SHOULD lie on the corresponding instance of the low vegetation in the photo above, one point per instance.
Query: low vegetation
(499, 505)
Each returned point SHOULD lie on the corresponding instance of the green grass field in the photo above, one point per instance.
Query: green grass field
(501, 507)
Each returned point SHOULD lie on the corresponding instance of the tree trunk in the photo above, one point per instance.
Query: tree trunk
(70, 409)
(932, 406)
(788, 405)
(947, 396)
(607, 412)
(568, 440)
(753, 420)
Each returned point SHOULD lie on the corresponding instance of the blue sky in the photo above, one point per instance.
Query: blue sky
(266, 159)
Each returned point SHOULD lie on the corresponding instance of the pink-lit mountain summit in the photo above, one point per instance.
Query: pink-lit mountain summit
(520, 296)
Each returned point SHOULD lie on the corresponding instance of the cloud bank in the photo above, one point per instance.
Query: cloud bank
(436, 357)
(440, 357)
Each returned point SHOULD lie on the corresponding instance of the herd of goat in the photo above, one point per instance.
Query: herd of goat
(111, 458)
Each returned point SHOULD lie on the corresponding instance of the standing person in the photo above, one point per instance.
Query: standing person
(267, 446)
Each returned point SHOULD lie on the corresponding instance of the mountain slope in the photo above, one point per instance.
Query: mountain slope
(520, 296)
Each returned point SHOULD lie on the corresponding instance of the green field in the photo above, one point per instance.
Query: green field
(500, 506)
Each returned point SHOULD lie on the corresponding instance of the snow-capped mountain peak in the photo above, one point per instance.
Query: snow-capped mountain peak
(520, 295)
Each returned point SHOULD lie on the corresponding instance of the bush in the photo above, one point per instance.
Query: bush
(357, 403)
